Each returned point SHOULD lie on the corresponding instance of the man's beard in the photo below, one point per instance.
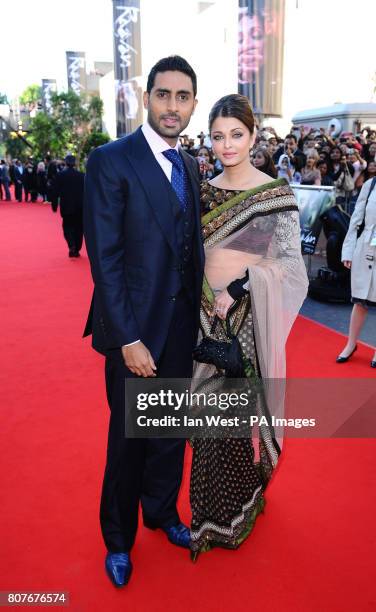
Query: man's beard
(165, 131)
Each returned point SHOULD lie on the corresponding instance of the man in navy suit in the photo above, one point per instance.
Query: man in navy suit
(68, 190)
(143, 237)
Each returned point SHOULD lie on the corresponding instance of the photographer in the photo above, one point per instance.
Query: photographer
(344, 183)
(337, 157)
(357, 162)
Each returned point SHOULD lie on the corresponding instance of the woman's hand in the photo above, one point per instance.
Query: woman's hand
(222, 303)
(347, 264)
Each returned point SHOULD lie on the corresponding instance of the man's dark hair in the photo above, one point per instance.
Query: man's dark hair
(173, 62)
(292, 136)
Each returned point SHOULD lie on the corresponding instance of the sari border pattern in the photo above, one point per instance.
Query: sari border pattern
(277, 200)
(237, 520)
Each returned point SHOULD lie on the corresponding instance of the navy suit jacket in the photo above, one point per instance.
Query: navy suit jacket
(131, 242)
(68, 190)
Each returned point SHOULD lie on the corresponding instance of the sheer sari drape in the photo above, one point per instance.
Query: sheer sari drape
(258, 231)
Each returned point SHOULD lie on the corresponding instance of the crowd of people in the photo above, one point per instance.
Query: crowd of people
(31, 179)
(56, 182)
(306, 156)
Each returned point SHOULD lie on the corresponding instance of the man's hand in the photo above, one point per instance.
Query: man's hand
(347, 264)
(222, 303)
(138, 360)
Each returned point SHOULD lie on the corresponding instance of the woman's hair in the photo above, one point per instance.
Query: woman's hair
(323, 162)
(209, 151)
(233, 105)
(268, 166)
(326, 157)
(312, 153)
(367, 173)
(336, 148)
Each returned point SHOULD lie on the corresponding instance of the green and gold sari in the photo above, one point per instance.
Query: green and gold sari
(256, 231)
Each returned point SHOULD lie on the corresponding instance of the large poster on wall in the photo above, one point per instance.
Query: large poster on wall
(127, 65)
(260, 54)
(312, 202)
(76, 71)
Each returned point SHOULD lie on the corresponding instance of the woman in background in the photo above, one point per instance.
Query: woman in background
(206, 163)
(359, 255)
(42, 180)
(263, 161)
(326, 180)
(310, 173)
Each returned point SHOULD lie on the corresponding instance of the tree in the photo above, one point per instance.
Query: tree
(44, 136)
(16, 148)
(31, 96)
(74, 125)
(3, 99)
(94, 140)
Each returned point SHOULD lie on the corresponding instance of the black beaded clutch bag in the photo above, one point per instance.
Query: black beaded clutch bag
(224, 355)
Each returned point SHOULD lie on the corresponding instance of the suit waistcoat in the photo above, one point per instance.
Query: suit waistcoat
(184, 222)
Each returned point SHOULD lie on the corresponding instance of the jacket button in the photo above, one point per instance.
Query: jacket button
(370, 267)
(172, 298)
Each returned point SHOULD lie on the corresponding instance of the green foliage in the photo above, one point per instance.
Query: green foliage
(16, 148)
(31, 96)
(74, 126)
(43, 136)
(3, 99)
(94, 140)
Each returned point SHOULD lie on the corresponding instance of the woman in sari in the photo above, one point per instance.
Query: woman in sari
(253, 266)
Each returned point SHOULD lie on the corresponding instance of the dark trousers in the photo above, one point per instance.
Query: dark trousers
(73, 231)
(33, 194)
(5, 185)
(144, 470)
(18, 187)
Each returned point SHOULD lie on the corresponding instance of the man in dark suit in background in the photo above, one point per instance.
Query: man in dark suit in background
(143, 237)
(18, 171)
(68, 191)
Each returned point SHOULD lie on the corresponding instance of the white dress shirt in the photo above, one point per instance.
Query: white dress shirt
(157, 145)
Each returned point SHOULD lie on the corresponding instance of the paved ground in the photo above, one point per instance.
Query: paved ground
(336, 316)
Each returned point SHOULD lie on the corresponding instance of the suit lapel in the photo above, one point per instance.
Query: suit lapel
(155, 185)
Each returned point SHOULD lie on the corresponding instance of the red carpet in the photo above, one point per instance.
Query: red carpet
(312, 550)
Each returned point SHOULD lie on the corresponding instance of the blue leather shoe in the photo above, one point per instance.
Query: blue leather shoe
(119, 568)
(178, 535)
